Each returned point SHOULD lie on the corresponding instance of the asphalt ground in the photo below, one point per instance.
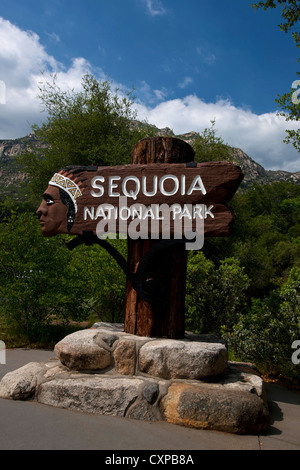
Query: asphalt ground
(27, 425)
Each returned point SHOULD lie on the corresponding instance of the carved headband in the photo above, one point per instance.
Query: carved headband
(71, 188)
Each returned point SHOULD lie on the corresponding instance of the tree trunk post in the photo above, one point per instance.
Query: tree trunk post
(163, 317)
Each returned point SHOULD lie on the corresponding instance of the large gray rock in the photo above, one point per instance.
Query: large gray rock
(182, 360)
(148, 379)
(83, 350)
(21, 383)
(241, 377)
(91, 394)
(219, 409)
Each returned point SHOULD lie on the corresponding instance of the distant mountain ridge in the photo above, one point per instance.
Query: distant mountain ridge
(12, 178)
(253, 171)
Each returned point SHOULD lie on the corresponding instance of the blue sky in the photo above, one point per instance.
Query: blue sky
(190, 62)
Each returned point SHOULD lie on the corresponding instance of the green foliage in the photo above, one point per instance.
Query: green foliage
(103, 280)
(215, 295)
(290, 14)
(209, 147)
(245, 288)
(43, 283)
(266, 333)
(90, 127)
(266, 234)
(38, 282)
(290, 109)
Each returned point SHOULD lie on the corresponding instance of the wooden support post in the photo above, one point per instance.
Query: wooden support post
(156, 269)
(163, 317)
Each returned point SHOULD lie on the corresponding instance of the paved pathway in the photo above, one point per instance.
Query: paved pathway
(32, 426)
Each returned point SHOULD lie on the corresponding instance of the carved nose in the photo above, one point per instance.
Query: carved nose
(41, 210)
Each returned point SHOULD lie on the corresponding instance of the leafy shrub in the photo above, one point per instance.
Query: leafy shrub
(215, 295)
(38, 282)
(266, 333)
(43, 283)
(103, 280)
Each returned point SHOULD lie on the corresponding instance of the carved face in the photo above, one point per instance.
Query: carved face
(52, 213)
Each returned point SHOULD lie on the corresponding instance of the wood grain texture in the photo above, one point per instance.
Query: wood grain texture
(220, 180)
(164, 317)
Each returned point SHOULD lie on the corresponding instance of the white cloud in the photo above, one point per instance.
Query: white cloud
(22, 61)
(147, 95)
(186, 82)
(260, 136)
(154, 7)
(161, 94)
(21, 55)
(23, 58)
(53, 37)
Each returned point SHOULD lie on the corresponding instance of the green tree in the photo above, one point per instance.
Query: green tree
(209, 147)
(94, 126)
(290, 15)
(103, 281)
(44, 284)
(215, 295)
(266, 333)
(289, 103)
(199, 291)
(266, 231)
(39, 284)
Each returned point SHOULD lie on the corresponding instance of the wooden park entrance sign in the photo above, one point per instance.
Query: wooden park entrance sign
(164, 204)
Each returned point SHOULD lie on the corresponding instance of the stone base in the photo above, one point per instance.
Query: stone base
(188, 382)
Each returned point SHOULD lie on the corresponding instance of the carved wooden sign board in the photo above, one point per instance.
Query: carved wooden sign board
(158, 202)
(141, 201)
